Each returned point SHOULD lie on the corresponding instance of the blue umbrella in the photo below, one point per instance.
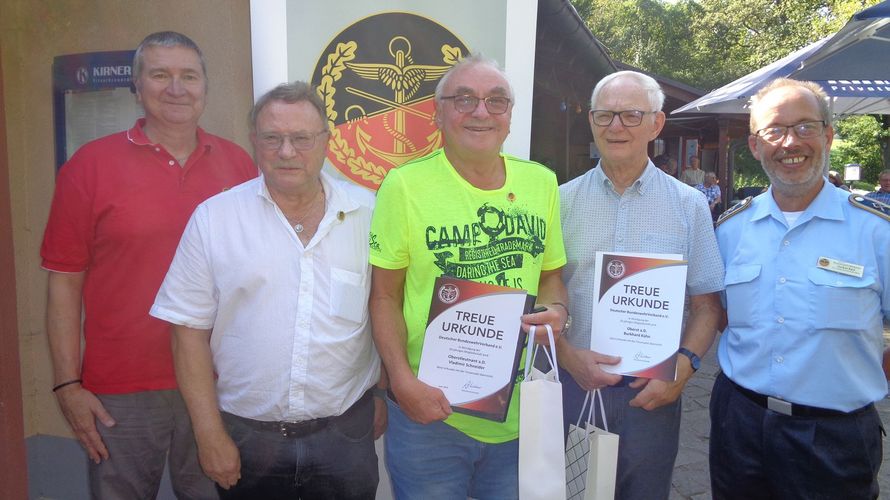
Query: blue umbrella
(853, 66)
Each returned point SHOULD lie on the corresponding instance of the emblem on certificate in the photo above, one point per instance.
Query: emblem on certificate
(473, 344)
(638, 313)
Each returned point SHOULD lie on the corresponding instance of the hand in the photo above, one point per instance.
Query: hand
(422, 403)
(655, 393)
(82, 408)
(380, 417)
(220, 459)
(583, 364)
(554, 315)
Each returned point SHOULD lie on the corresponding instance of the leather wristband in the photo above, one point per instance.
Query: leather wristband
(64, 384)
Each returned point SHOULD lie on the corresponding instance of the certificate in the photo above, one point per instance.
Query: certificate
(638, 313)
(473, 345)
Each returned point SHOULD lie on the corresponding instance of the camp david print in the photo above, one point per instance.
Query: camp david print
(487, 248)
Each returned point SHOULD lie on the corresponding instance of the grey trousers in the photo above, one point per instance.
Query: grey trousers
(150, 427)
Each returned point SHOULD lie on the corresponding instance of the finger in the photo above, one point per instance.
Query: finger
(605, 359)
(638, 382)
(103, 416)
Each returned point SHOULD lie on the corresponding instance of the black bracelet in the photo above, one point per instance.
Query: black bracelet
(379, 392)
(63, 384)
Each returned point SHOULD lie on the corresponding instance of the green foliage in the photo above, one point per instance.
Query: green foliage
(707, 43)
(861, 143)
(748, 171)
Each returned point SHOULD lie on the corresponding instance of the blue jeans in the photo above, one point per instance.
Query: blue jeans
(437, 461)
(648, 441)
(152, 428)
(337, 461)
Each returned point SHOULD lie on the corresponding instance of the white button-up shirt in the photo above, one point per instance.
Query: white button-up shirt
(291, 335)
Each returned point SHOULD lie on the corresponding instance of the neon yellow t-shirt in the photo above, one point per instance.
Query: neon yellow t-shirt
(431, 221)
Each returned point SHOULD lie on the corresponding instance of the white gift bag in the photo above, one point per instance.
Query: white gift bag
(591, 456)
(541, 446)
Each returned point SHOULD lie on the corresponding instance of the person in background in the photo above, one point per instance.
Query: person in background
(712, 192)
(835, 178)
(120, 205)
(882, 194)
(807, 287)
(693, 175)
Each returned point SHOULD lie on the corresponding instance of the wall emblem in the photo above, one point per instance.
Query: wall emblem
(377, 79)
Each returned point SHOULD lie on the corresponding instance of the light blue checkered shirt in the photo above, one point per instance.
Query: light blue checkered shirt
(656, 214)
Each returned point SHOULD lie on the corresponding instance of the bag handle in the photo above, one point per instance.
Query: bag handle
(597, 394)
(531, 354)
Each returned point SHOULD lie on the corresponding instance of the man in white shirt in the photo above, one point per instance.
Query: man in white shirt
(269, 291)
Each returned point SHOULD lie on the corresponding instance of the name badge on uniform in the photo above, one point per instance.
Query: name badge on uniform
(837, 266)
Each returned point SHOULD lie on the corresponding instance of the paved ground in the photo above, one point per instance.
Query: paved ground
(691, 479)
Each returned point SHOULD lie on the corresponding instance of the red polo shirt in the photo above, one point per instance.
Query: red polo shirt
(119, 209)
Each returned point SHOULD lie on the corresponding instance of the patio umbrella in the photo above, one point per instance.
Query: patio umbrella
(853, 66)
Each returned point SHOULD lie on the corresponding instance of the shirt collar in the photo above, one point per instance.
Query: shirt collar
(824, 206)
(640, 184)
(337, 199)
(137, 136)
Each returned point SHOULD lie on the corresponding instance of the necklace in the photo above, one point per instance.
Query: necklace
(298, 223)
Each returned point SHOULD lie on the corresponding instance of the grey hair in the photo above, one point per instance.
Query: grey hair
(472, 60)
(165, 39)
(289, 93)
(646, 82)
(814, 88)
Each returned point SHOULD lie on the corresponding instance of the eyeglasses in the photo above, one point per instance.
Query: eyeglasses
(494, 104)
(804, 130)
(628, 118)
(300, 141)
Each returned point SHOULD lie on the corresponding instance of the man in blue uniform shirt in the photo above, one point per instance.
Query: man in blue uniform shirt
(807, 284)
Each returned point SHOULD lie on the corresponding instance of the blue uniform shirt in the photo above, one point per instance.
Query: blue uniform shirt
(797, 331)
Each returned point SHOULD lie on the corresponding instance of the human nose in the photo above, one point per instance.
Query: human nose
(616, 122)
(287, 149)
(480, 109)
(176, 86)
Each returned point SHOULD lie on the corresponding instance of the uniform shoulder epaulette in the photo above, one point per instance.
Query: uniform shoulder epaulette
(870, 205)
(737, 209)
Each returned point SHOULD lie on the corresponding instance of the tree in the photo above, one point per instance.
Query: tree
(862, 137)
(708, 43)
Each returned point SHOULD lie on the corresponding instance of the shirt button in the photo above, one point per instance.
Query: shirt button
(171, 163)
(786, 243)
(780, 319)
(780, 359)
(157, 150)
(782, 279)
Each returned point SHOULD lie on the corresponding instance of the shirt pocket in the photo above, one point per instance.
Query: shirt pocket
(841, 302)
(349, 294)
(741, 294)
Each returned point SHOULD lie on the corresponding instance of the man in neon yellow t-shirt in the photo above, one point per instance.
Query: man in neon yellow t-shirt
(441, 214)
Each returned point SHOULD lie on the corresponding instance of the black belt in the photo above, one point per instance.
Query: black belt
(791, 409)
(300, 429)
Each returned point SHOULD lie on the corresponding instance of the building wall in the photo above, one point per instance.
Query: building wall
(32, 32)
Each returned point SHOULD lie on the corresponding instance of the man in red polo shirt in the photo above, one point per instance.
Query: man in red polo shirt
(119, 209)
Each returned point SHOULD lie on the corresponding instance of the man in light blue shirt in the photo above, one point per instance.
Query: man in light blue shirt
(807, 283)
(627, 205)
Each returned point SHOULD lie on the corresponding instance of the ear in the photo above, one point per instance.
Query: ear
(829, 136)
(752, 145)
(659, 124)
